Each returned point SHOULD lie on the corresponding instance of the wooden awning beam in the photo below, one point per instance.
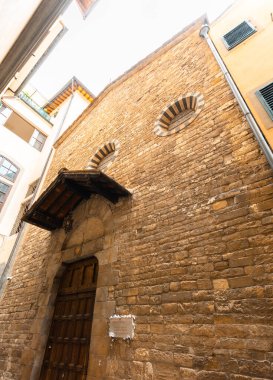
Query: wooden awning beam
(65, 193)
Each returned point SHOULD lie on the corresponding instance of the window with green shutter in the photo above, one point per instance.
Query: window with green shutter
(265, 95)
(237, 35)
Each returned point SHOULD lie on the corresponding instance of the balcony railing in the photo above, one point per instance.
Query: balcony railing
(34, 106)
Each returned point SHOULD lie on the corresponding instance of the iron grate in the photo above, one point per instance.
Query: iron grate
(265, 96)
(237, 35)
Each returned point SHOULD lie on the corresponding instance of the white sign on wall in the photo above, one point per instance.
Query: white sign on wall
(122, 326)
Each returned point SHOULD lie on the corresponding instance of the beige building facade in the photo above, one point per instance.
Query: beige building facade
(158, 205)
(248, 25)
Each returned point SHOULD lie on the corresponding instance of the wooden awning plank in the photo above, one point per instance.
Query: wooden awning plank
(64, 194)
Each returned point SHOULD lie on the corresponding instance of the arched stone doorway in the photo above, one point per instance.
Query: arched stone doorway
(67, 351)
(92, 237)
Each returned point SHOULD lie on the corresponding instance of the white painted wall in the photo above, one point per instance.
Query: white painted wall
(6, 245)
(76, 107)
(15, 15)
(29, 160)
(28, 114)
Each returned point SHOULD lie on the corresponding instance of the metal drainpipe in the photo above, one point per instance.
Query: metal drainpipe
(246, 111)
(20, 235)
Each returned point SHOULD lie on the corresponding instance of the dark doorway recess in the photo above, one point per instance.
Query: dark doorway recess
(67, 350)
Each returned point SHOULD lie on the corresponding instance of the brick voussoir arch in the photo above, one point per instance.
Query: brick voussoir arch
(111, 148)
(188, 106)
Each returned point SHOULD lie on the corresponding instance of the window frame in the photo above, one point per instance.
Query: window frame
(111, 148)
(105, 162)
(17, 226)
(190, 101)
(2, 107)
(263, 101)
(36, 140)
(5, 194)
(2, 159)
(230, 47)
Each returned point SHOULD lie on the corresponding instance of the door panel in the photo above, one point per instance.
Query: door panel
(67, 351)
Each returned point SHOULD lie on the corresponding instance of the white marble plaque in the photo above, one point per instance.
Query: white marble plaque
(122, 326)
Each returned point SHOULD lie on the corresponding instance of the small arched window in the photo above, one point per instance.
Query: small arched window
(179, 114)
(104, 156)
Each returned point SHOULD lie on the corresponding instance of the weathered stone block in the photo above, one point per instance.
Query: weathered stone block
(239, 282)
(219, 205)
(240, 262)
(188, 374)
(220, 284)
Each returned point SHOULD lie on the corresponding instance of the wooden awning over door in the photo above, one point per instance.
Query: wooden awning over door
(64, 194)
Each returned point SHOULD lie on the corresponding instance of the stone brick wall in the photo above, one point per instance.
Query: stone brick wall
(190, 254)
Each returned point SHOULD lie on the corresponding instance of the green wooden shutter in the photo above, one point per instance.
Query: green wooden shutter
(238, 34)
(265, 95)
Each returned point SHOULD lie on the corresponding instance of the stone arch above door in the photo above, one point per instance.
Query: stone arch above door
(89, 229)
(92, 221)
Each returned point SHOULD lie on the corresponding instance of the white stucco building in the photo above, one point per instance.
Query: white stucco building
(29, 127)
(29, 124)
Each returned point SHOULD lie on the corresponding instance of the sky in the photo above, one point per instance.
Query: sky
(114, 37)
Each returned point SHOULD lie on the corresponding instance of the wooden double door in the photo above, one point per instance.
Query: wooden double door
(67, 350)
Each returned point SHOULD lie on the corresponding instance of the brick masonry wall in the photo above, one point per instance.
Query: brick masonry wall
(193, 247)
